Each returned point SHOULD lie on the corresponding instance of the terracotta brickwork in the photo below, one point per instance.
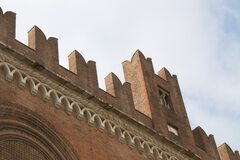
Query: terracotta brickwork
(49, 112)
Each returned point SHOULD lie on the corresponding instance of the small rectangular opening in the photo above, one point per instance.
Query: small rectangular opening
(173, 129)
(164, 98)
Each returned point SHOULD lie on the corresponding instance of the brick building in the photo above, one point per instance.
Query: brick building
(48, 112)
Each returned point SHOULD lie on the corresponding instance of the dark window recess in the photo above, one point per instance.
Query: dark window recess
(164, 98)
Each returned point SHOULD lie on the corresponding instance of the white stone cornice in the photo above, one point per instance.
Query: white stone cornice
(76, 104)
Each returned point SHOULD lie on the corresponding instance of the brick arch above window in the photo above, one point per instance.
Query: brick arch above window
(24, 135)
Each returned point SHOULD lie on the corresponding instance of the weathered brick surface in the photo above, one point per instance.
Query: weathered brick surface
(138, 102)
(88, 142)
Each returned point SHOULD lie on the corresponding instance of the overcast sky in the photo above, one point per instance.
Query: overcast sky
(198, 40)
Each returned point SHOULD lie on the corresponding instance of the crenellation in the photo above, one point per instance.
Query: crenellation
(77, 65)
(236, 153)
(92, 77)
(113, 85)
(127, 99)
(87, 72)
(164, 74)
(7, 26)
(140, 74)
(205, 143)
(213, 150)
(201, 138)
(226, 153)
(46, 49)
(122, 92)
(152, 101)
(135, 73)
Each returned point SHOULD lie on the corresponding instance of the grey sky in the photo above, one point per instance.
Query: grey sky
(199, 40)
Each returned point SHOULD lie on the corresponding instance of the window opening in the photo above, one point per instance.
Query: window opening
(173, 130)
(164, 98)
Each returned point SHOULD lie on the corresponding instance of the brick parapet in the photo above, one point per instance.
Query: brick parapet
(135, 100)
(226, 153)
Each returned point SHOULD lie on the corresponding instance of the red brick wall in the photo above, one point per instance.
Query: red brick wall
(88, 142)
(17, 150)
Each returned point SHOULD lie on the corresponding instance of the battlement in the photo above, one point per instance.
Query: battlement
(226, 153)
(153, 101)
(7, 25)
(205, 142)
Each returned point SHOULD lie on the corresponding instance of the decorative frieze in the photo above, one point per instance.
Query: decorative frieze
(74, 103)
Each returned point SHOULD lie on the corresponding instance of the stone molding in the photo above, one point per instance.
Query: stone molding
(74, 103)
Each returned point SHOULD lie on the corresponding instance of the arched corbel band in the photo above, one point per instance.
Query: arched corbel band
(72, 106)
